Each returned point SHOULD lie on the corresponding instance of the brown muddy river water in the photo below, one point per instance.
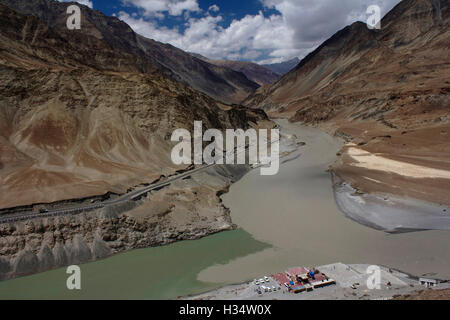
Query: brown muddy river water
(295, 212)
(285, 220)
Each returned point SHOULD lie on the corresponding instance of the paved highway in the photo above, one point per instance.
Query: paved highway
(85, 208)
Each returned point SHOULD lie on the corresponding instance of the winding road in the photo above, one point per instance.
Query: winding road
(85, 208)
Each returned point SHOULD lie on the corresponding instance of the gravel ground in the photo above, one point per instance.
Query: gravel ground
(351, 284)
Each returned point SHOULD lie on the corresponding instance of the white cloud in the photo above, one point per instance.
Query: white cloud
(316, 20)
(242, 39)
(214, 8)
(88, 3)
(156, 7)
(300, 26)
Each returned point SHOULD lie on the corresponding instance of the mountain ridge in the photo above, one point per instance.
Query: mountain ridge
(72, 127)
(385, 91)
(83, 122)
(283, 67)
(255, 72)
(221, 84)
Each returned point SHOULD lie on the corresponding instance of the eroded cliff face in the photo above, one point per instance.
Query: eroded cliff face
(385, 91)
(187, 210)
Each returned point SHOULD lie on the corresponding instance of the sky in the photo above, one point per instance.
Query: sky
(261, 31)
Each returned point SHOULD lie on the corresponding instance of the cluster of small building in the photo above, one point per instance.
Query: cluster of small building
(297, 280)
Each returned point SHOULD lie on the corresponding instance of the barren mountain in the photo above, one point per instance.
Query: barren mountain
(259, 74)
(253, 71)
(82, 120)
(219, 83)
(72, 127)
(283, 67)
(386, 91)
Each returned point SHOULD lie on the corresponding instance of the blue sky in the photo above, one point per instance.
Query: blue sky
(263, 31)
(229, 9)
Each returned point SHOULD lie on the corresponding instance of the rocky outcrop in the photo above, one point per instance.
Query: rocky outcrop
(187, 210)
(26, 262)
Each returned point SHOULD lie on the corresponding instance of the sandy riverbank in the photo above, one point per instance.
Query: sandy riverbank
(388, 212)
(410, 164)
(393, 191)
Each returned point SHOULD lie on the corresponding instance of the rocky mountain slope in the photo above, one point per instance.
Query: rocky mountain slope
(386, 91)
(219, 83)
(72, 127)
(259, 74)
(283, 67)
(81, 120)
(253, 71)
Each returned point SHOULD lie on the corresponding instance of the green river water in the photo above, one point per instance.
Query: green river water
(156, 273)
